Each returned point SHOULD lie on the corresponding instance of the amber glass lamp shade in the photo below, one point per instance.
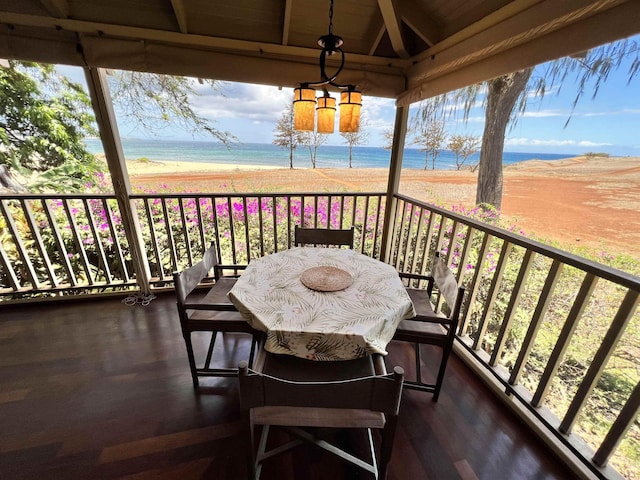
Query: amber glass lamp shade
(304, 104)
(350, 104)
(326, 114)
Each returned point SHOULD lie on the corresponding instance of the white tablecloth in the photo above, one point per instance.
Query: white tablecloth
(343, 325)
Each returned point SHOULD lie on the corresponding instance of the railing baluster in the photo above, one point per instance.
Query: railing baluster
(247, 241)
(173, 255)
(19, 244)
(401, 234)
(464, 256)
(568, 329)
(216, 229)
(475, 284)
(35, 233)
(185, 230)
(619, 428)
(408, 238)
(441, 231)
(452, 242)
(260, 226)
(514, 301)
(419, 237)
(78, 241)
(377, 234)
(600, 359)
(538, 315)
(496, 282)
(10, 272)
(97, 241)
(426, 252)
(57, 236)
(154, 237)
(115, 239)
(232, 231)
(203, 242)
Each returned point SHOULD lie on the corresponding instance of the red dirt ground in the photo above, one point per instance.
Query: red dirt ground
(589, 202)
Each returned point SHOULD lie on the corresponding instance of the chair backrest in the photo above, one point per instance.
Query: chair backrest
(189, 278)
(323, 236)
(448, 286)
(380, 393)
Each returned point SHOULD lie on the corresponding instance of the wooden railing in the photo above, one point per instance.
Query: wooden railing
(65, 244)
(528, 306)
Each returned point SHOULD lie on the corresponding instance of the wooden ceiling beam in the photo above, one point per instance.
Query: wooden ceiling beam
(394, 27)
(540, 19)
(377, 34)
(57, 8)
(181, 16)
(419, 22)
(224, 45)
(286, 22)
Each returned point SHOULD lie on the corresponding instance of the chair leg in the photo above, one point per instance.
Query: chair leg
(207, 362)
(191, 357)
(254, 343)
(388, 434)
(440, 379)
(249, 446)
(418, 364)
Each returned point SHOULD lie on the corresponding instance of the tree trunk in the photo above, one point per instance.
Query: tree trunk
(503, 93)
(8, 183)
(291, 155)
(350, 154)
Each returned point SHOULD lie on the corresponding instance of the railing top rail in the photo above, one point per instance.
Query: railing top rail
(38, 196)
(625, 279)
(56, 196)
(257, 195)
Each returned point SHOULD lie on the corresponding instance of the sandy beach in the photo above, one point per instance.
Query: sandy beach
(591, 202)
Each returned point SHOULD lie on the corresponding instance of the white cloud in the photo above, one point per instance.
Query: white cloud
(543, 114)
(256, 103)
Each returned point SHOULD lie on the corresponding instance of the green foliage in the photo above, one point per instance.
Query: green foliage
(154, 101)
(43, 120)
(596, 155)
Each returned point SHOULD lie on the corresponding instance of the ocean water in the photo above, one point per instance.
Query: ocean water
(267, 154)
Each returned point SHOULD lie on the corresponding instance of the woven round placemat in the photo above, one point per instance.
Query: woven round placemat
(326, 279)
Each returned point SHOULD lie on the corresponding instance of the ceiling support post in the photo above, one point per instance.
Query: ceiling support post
(393, 184)
(108, 127)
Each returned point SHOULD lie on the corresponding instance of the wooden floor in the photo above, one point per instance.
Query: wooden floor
(99, 389)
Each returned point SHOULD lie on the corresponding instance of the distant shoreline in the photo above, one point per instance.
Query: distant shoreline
(156, 167)
(260, 155)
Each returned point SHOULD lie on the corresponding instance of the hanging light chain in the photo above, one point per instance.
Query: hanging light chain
(331, 18)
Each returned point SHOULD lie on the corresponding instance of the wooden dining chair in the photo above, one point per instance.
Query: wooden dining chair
(211, 312)
(293, 393)
(431, 326)
(323, 236)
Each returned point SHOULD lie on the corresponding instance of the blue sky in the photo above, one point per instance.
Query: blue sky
(609, 123)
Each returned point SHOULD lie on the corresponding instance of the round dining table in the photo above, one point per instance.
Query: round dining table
(322, 303)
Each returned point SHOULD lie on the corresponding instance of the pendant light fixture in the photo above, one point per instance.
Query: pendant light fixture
(304, 103)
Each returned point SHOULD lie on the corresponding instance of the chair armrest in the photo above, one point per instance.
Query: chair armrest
(416, 276)
(225, 307)
(219, 268)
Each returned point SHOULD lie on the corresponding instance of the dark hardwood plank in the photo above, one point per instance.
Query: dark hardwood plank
(99, 389)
